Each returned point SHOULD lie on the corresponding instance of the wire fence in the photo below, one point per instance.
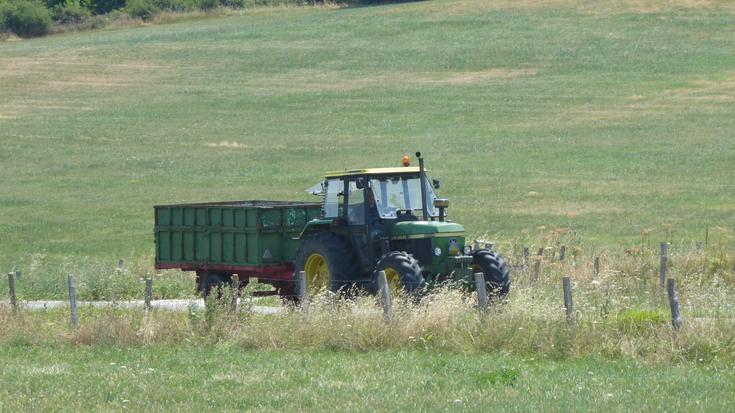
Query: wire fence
(298, 289)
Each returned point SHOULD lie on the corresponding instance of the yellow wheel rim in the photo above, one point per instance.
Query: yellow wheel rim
(394, 280)
(317, 272)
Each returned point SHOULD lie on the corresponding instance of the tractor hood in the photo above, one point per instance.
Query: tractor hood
(425, 229)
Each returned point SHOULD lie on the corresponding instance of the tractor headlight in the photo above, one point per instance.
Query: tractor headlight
(467, 250)
(437, 251)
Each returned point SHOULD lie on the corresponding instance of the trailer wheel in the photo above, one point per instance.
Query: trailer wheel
(495, 270)
(402, 272)
(214, 283)
(328, 262)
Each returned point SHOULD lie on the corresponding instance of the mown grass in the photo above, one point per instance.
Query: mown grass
(608, 120)
(185, 379)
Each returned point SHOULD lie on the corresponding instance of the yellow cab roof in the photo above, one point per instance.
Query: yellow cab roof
(373, 171)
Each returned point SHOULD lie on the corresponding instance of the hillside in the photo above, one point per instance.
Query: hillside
(609, 120)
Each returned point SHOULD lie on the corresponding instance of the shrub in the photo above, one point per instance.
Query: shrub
(70, 12)
(173, 5)
(144, 9)
(207, 4)
(234, 4)
(104, 6)
(24, 17)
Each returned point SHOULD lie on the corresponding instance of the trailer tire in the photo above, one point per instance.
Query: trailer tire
(213, 282)
(402, 271)
(495, 270)
(328, 262)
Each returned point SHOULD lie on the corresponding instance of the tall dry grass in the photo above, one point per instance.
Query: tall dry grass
(620, 313)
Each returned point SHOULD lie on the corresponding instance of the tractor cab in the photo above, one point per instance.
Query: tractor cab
(382, 219)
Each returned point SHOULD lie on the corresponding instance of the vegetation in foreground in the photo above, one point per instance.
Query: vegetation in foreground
(182, 378)
(620, 354)
(620, 314)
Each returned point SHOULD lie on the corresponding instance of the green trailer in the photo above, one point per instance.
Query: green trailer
(244, 238)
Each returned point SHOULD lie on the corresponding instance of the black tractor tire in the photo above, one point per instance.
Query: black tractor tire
(339, 258)
(406, 267)
(495, 270)
(214, 282)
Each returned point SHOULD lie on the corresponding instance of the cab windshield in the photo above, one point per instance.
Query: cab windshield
(401, 193)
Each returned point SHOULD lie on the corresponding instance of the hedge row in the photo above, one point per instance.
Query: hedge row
(28, 18)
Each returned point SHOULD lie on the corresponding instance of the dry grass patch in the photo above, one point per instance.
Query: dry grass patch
(301, 81)
(620, 313)
(563, 209)
(707, 96)
(595, 7)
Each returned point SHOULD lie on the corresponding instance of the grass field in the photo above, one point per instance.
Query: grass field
(603, 125)
(608, 120)
(186, 379)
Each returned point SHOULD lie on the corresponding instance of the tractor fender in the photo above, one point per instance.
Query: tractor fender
(315, 225)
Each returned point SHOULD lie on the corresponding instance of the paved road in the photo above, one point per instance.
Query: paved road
(172, 305)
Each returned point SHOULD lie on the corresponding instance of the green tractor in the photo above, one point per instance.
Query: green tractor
(391, 220)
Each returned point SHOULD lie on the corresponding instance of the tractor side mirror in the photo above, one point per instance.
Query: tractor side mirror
(436, 183)
(360, 183)
(442, 204)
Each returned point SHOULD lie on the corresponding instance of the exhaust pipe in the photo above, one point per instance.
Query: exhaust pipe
(422, 178)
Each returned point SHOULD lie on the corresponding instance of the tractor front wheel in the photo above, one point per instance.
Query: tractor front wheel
(402, 271)
(495, 270)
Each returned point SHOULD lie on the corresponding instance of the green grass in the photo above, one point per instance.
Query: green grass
(229, 379)
(619, 120)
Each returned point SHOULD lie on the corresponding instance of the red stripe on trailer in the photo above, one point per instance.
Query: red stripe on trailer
(282, 272)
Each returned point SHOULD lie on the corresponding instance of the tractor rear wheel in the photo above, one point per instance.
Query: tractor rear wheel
(495, 270)
(402, 272)
(328, 262)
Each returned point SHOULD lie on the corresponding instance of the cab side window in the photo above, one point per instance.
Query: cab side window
(356, 205)
(333, 198)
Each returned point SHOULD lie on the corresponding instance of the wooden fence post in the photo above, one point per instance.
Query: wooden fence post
(72, 300)
(526, 261)
(301, 287)
(706, 237)
(481, 289)
(121, 265)
(663, 264)
(148, 293)
(385, 296)
(568, 305)
(674, 304)
(536, 269)
(11, 286)
(235, 294)
(562, 253)
(597, 266)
